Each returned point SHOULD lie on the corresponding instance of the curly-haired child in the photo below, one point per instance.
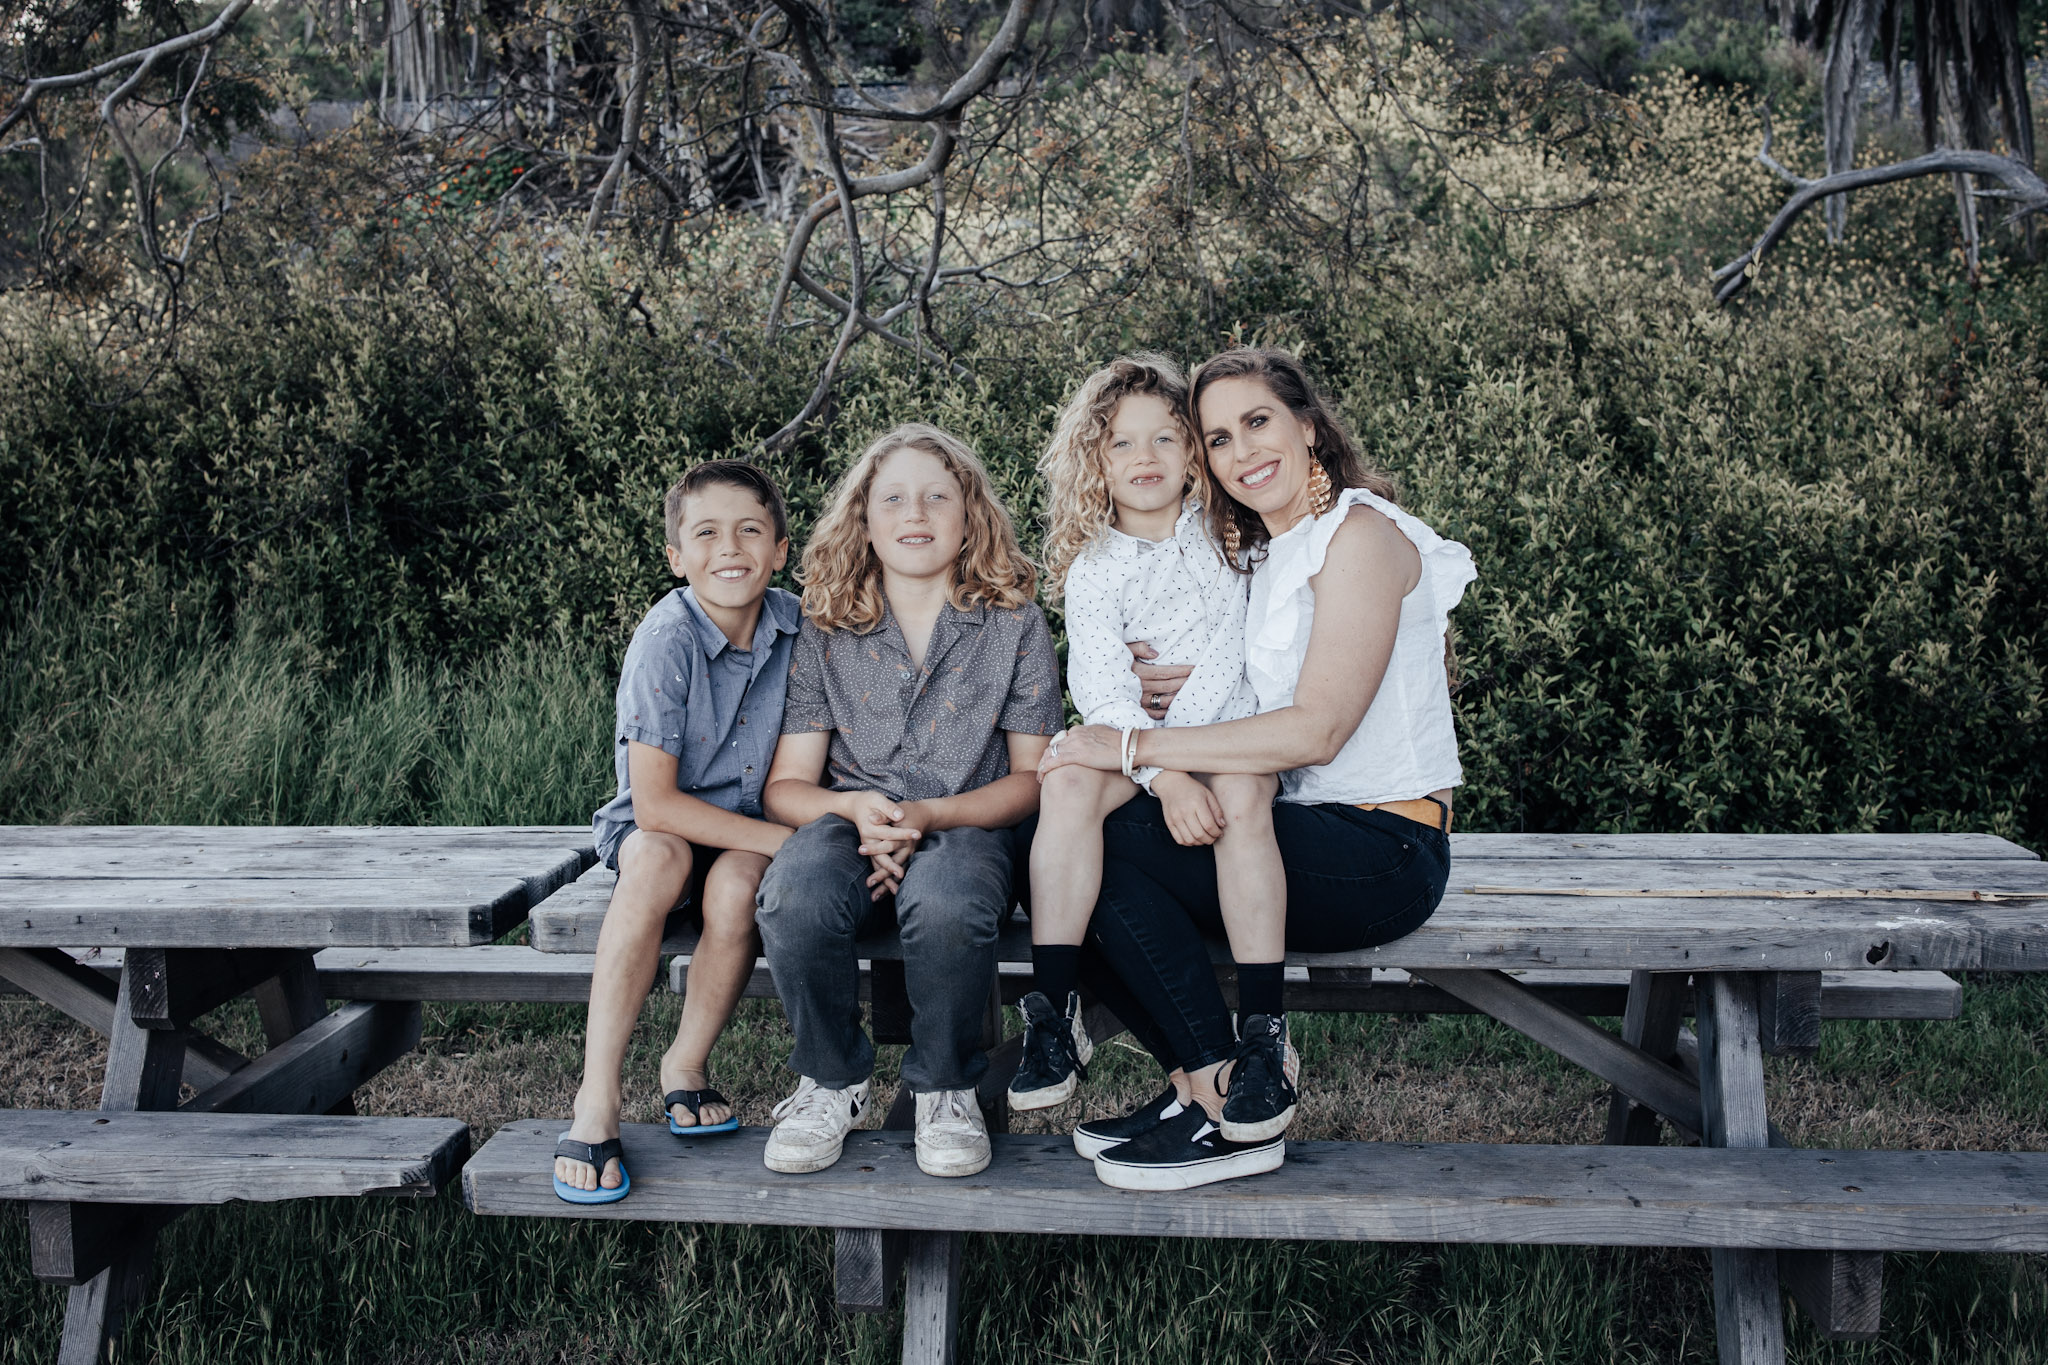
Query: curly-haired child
(1128, 546)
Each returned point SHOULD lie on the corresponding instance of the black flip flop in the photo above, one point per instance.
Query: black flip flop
(694, 1101)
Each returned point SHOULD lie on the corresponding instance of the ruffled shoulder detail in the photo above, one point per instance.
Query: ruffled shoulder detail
(1295, 558)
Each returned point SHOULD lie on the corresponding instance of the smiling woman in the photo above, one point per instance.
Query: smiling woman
(1350, 599)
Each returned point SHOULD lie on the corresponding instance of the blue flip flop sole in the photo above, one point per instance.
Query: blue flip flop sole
(569, 1194)
(596, 1154)
(694, 1101)
(731, 1125)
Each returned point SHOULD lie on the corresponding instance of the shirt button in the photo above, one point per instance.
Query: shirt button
(750, 767)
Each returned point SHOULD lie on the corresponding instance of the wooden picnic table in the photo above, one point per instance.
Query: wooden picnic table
(203, 915)
(1734, 929)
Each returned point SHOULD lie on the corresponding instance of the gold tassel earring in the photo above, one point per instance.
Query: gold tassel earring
(1321, 496)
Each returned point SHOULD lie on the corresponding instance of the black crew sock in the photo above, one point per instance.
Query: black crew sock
(1258, 989)
(1055, 967)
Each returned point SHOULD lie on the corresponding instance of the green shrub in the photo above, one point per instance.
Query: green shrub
(1778, 566)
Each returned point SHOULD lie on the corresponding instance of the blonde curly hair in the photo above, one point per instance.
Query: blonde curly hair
(841, 575)
(1075, 467)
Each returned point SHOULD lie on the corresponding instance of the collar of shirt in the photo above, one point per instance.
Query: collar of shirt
(946, 631)
(779, 616)
(1122, 545)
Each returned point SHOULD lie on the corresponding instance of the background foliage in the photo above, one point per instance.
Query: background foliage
(1776, 567)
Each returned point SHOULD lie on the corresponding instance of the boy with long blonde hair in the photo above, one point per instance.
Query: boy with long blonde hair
(922, 693)
(1129, 548)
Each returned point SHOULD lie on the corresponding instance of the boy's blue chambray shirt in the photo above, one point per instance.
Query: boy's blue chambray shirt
(686, 690)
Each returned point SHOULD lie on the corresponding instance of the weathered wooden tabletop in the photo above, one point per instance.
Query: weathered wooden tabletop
(1669, 902)
(171, 886)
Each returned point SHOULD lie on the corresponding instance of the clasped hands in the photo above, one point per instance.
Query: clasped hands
(889, 833)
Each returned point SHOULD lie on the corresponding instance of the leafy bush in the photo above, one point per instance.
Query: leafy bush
(1774, 567)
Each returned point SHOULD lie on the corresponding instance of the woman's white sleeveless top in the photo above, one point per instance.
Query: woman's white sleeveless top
(1407, 745)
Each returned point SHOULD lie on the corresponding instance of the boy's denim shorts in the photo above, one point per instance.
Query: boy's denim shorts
(700, 860)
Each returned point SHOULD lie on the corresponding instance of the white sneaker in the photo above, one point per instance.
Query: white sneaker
(811, 1126)
(951, 1138)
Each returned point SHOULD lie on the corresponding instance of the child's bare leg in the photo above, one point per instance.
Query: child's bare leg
(719, 969)
(1251, 882)
(653, 871)
(1066, 853)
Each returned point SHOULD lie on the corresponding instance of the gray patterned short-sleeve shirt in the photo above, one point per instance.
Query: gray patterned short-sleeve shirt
(915, 733)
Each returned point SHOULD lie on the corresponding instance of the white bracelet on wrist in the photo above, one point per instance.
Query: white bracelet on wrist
(1127, 749)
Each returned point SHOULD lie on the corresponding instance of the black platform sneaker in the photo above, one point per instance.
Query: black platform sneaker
(1056, 1053)
(1093, 1138)
(1097, 1136)
(1262, 1096)
(1185, 1151)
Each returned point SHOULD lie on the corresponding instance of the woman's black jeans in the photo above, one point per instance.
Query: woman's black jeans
(1355, 878)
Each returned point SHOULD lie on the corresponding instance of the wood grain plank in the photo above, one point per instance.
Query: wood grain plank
(184, 1158)
(1470, 846)
(297, 914)
(315, 1070)
(70, 1243)
(931, 1298)
(1464, 845)
(1520, 932)
(1749, 1320)
(866, 1264)
(1335, 1191)
(1657, 1001)
(1842, 1291)
(2009, 877)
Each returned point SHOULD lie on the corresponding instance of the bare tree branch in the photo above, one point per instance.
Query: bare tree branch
(145, 57)
(2026, 190)
(612, 187)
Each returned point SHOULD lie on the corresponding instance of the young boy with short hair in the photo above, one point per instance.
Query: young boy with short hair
(699, 710)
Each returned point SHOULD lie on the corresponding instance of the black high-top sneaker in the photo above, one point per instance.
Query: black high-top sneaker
(1056, 1053)
(1183, 1152)
(1262, 1096)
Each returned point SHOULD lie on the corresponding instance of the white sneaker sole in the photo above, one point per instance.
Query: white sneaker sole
(1260, 1131)
(1191, 1174)
(1090, 1146)
(954, 1167)
(1046, 1096)
(801, 1160)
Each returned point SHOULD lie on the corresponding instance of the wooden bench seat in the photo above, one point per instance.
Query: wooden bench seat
(1762, 1198)
(88, 1156)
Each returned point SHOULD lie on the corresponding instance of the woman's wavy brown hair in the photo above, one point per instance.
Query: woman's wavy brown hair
(1230, 521)
(841, 574)
(1074, 466)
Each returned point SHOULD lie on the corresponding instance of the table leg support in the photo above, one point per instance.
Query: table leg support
(290, 1003)
(931, 1298)
(1656, 1007)
(866, 1263)
(144, 1067)
(1749, 1318)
